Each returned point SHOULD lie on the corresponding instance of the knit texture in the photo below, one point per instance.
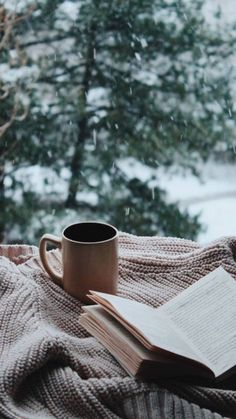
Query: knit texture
(50, 367)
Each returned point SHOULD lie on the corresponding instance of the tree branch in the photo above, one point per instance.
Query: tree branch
(14, 117)
(45, 41)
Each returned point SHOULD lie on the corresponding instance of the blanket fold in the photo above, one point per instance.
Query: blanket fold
(52, 368)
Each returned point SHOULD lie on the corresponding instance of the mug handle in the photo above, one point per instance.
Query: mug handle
(43, 256)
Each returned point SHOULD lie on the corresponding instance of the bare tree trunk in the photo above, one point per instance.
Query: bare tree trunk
(77, 158)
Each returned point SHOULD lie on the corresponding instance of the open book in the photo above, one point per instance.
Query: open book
(192, 334)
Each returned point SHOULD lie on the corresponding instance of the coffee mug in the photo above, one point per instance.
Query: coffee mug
(89, 258)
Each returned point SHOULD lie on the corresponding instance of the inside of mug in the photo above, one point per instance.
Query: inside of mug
(89, 232)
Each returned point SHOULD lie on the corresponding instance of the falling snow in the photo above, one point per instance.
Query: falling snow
(138, 56)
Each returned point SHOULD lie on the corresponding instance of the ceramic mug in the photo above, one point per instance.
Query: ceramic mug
(89, 258)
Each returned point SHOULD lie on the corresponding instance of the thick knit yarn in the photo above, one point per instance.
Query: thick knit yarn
(50, 367)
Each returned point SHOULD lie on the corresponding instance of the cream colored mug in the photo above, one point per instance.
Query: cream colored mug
(89, 258)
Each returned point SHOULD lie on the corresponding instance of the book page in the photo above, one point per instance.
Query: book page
(128, 350)
(104, 322)
(205, 316)
(150, 323)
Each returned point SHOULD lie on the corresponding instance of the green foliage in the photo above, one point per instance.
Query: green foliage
(151, 215)
(143, 79)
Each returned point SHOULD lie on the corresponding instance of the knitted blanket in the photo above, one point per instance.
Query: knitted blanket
(51, 368)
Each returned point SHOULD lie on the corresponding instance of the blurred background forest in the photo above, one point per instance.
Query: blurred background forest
(98, 99)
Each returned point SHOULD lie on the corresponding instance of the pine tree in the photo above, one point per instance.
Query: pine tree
(136, 81)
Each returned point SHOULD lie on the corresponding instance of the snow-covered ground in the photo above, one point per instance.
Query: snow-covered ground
(213, 197)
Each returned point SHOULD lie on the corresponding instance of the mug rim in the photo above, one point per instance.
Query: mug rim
(90, 222)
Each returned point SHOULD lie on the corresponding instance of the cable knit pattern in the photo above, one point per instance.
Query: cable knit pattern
(50, 367)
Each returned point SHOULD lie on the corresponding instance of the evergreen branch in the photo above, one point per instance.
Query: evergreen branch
(46, 41)
(50, 78)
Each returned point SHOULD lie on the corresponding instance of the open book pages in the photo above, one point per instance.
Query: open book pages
(131, 354)
(199, 324)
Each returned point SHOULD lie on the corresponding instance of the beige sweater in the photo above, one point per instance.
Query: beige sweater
(51, 368)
